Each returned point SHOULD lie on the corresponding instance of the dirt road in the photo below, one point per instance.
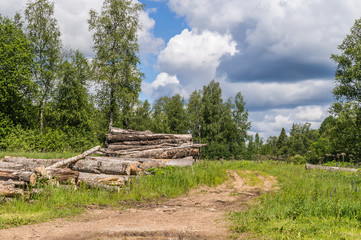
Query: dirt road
(198, 215)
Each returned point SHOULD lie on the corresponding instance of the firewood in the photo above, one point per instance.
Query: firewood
(6, 174)
(74, 159)
(95, 179)
(10, 191)
(63, 175)
(107, 167)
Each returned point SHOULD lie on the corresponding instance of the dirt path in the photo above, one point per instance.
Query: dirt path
(199, 215)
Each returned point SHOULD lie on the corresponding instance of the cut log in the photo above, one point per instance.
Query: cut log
(30, 163)
(12, 166)
(153, 142)
(328, 168)
(63, 175)
(10, 191)
(166, 153)
(107, 166)
(15, 175)
(20, 184)
(111, 138)
(120, 159)
(74, 159)
(139, 147)
(95, 179)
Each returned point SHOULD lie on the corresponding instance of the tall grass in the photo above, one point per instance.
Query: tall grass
(60, 201)
(309, 205)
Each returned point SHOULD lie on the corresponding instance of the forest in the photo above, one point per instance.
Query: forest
(54, 99)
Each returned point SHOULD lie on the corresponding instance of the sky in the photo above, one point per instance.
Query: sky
(275, 52)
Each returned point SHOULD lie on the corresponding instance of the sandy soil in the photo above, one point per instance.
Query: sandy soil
(198, 215)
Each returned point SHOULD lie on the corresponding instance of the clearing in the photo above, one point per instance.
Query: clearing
(198, 215)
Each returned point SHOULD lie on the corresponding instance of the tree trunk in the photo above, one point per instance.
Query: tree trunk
(20, 184)
(139, 147)
(166, 153)
(107, 167)
(6, 174)
(28, 163)
(10, 191)
(74, 159)
(153, 142)
(12, 166)
(63, 175)
(95, 179)
(111, 138)
(310, 166)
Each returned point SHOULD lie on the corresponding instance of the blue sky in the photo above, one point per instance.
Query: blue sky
(276, 52)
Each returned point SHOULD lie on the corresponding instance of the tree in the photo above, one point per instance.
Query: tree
(16, 87)
(142, 117)
(44, 33)
(346, 131)
(72, 104)
(281, 142)
(300, 139)
(115, 64)
(194, 110)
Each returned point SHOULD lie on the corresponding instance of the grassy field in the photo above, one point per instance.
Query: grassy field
(309, 204)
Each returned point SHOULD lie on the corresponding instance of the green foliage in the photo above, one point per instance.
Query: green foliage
(142, 117)
(16, 87)
(115, 63)
(298, 159)
(48, 140)
(71, 103)
(44, 34)
(308, 205)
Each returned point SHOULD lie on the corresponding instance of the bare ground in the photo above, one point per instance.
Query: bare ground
(198, 215)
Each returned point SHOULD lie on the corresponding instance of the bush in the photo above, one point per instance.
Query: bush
(298, 159)
(48, 140)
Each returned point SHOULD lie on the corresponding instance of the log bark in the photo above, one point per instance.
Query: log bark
(10, 191)
(328, 168)
(107, 167)
(12, 166)
(139, 147)
(15, 175)
(166, 153)
(20, 184)
(74, 159)
(30, 163)
(95, 179)
(111, 138)
(63, 175)
(153, 142)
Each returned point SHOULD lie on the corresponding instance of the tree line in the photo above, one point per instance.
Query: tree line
(55, 99)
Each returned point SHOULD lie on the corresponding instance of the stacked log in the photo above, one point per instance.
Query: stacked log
(136, 144)
(128, 153)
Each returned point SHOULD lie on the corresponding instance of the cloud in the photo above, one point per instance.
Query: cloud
(149, 44)
(194, 56)
(263, 96)
(73, 15)
(270, 123)
(163, 85)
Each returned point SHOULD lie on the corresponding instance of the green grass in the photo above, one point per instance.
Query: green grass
(306, 206)
(60, 201)
(39, 155)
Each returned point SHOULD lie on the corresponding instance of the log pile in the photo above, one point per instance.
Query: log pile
(128, 153)
(136, 144)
